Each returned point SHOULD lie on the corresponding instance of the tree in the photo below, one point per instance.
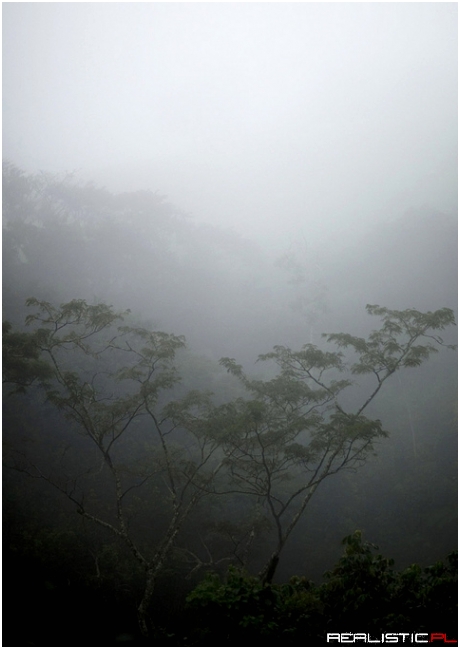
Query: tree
(116, 385)
(112, 382)
(292, 432)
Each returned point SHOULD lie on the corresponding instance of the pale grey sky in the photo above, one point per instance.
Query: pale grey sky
(276, 119)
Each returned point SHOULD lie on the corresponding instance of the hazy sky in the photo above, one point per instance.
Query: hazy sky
(276, 119)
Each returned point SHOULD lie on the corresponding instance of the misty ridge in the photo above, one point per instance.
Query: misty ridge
(229, 323)
(188, 276)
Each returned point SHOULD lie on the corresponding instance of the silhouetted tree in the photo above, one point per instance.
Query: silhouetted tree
(106, 378)
(292, 432)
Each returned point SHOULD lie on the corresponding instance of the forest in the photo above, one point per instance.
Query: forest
(211, 444)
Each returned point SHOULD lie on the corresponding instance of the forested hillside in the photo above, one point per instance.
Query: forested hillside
(171, 407)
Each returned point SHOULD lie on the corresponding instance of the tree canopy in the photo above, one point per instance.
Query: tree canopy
(275, 446)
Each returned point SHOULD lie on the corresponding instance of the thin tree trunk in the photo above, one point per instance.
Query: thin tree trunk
(142, 609)
(152, 572)
(268, 572)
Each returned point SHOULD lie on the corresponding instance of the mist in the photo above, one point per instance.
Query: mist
(229, 303)
(276, 120)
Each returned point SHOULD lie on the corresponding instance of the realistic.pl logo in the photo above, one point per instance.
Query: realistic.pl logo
(390, 638)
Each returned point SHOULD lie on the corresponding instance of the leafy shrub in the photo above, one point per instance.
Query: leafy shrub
(362, 592)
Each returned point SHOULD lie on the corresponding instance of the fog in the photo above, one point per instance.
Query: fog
(274, 119)
(241, 177)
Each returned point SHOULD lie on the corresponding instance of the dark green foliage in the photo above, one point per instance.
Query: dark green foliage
(239, 611)
(22, 364)
(360, 589)
(364, 591)
(361, 594)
